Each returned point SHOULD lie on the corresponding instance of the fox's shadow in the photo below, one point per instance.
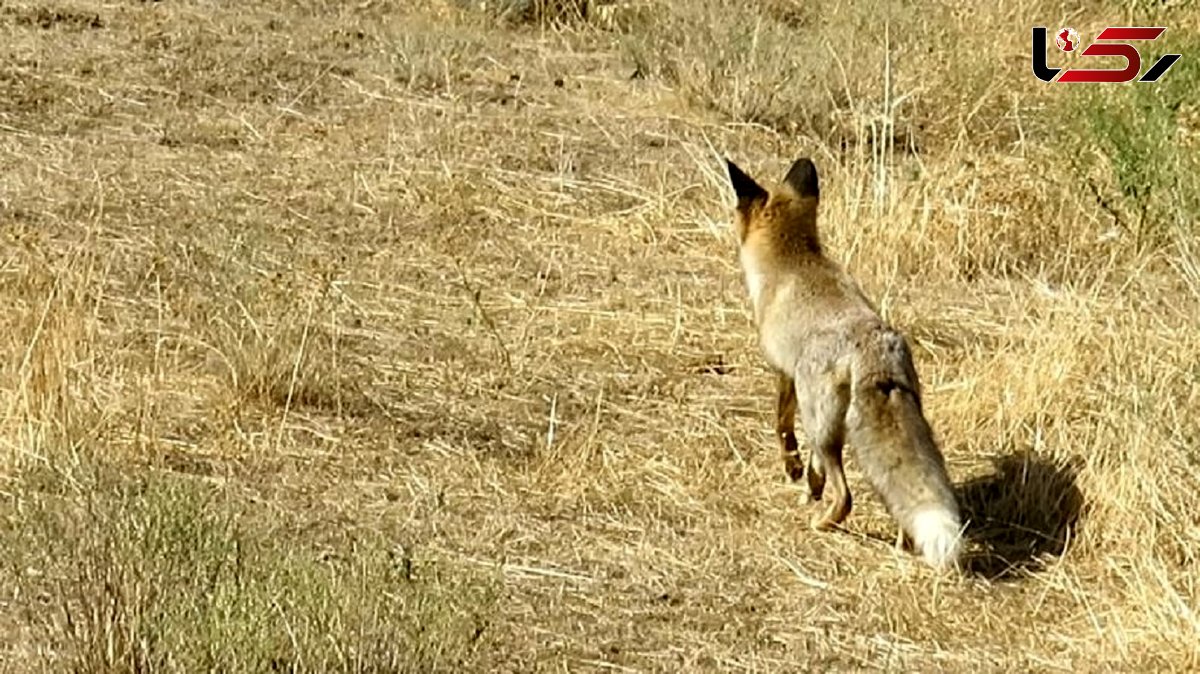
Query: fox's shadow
(1021, 514)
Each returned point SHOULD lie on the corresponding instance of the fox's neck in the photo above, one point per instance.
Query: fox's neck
(796, 235)
(793, 243)
(784, 244)
(756, 271)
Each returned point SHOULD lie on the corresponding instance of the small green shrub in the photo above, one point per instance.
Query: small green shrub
(1127, 145)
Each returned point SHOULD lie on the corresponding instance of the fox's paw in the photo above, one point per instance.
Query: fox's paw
(816, 486)
(794, 467)
(823, 521)
(833, 514)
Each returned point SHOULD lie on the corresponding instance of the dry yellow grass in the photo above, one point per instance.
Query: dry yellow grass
(427, 322)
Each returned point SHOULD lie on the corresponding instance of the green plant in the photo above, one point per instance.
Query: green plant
(1126, 146)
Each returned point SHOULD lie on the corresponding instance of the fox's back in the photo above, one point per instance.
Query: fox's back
(807, 304)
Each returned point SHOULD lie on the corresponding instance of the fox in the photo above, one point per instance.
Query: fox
(844, 370)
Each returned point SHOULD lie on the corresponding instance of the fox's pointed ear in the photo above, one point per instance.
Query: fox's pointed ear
(744, 187)
(802, 178)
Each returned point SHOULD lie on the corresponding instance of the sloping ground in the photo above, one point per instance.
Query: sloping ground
(440, 318)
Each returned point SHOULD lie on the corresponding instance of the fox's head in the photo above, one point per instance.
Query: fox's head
(787, 210)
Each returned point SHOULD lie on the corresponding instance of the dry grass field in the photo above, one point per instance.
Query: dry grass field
(409, 336)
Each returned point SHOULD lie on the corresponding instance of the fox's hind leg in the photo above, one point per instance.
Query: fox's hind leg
(816, 476)
(822, 403)
(785, 427)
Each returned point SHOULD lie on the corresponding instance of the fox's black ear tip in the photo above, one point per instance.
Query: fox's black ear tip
(743, 185)
(804, 165)
(735, 172)
(802, 176)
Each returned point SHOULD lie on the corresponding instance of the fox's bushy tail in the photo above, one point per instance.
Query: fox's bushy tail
(897, 451)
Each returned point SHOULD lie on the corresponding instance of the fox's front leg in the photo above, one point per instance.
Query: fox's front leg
(785, 427)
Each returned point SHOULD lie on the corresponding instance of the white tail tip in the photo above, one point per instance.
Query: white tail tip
(937, 534)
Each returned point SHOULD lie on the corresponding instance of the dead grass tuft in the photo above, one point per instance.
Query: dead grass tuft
(164, 574)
